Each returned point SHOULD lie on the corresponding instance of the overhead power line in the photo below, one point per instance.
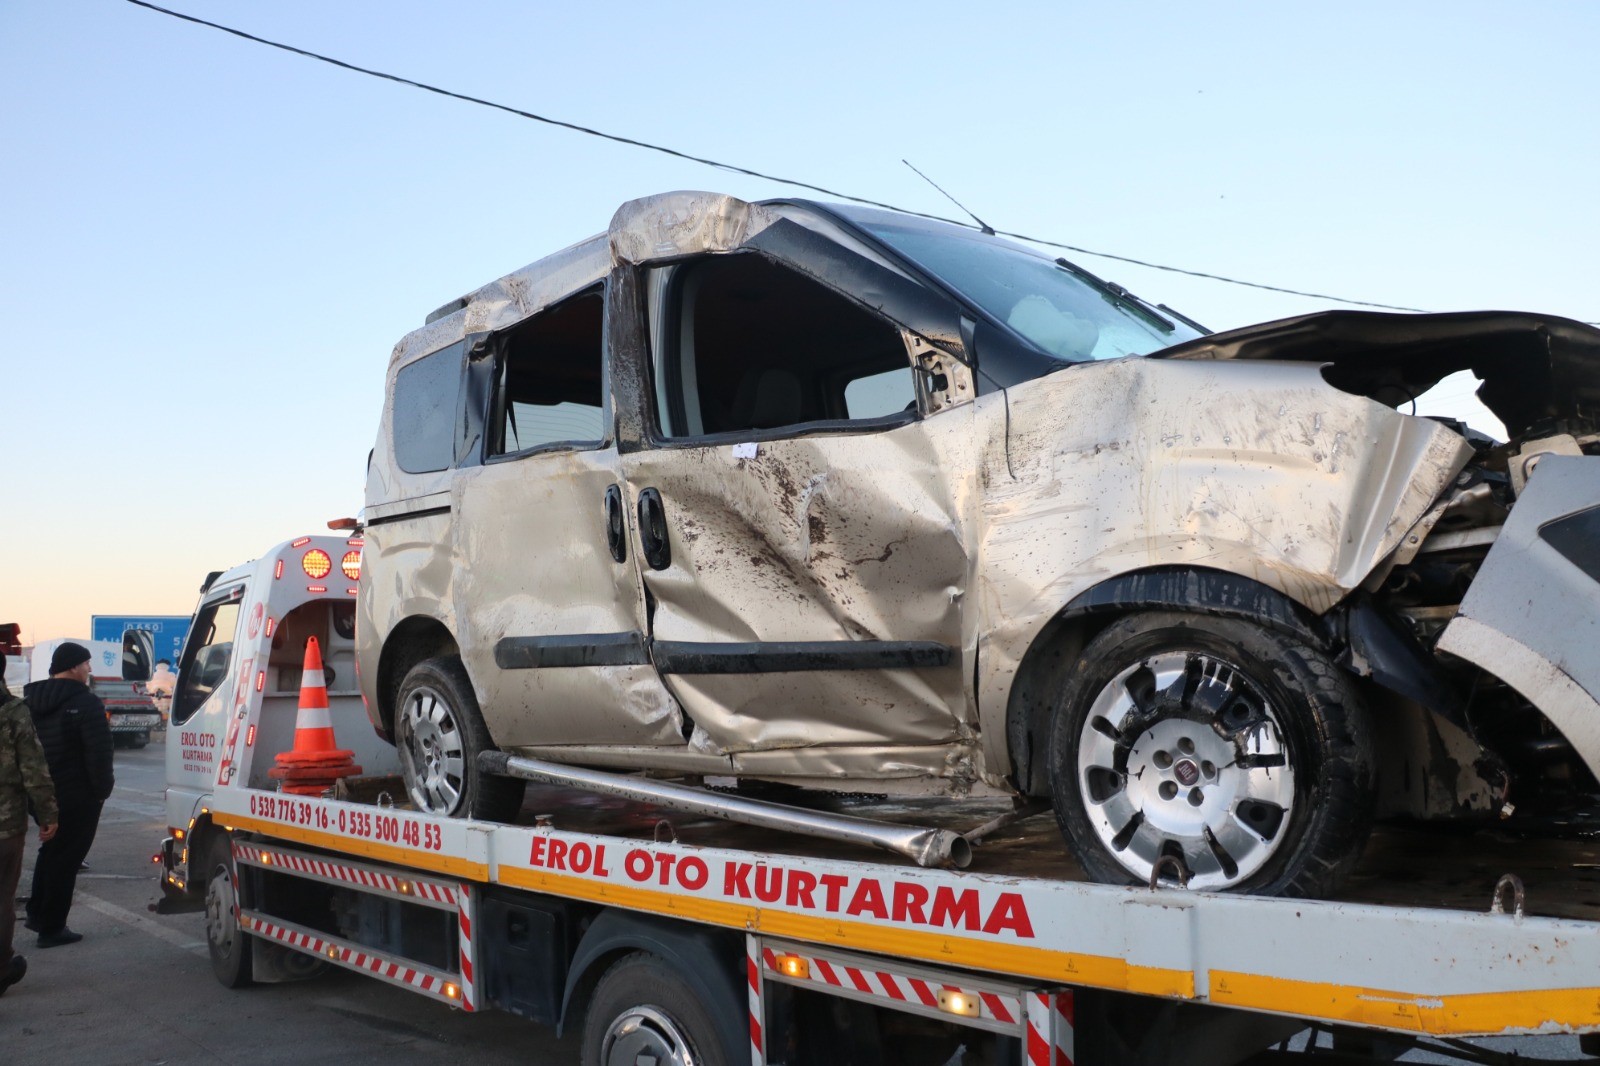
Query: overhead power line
(735, 169)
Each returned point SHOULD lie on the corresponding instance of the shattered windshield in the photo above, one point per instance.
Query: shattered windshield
(1059, 308)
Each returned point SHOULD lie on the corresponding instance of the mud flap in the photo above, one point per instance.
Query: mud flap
(1532, 615)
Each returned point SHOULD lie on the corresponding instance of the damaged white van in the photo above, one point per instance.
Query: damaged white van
(852, 500)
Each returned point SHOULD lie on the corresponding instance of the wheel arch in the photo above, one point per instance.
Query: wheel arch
(202, 835)
(1055, 649)
(706, 958)
(413, 640)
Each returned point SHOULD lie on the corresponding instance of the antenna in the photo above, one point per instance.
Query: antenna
(984, 226)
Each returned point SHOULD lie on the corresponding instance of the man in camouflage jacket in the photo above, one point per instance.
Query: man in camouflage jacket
(24, 777)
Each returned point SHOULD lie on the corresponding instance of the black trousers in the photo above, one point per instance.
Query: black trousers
(55, 871)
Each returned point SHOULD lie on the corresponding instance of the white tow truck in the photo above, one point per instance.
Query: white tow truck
(671, 936)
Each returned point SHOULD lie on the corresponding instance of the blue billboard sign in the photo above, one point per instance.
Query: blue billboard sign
(166, 631)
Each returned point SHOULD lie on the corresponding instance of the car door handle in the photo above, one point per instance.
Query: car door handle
(653, 530)
(616, 528)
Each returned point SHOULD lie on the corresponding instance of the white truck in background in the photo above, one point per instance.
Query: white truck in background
(120, 669)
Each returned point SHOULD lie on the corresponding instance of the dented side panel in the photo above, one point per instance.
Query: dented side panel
(406, 573)
(532, 563)
(1110, 468)
(824, 538)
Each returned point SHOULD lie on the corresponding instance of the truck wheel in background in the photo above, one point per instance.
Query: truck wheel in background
(643, 1011)
(439, 733)
(1240, 751)
(226, 943)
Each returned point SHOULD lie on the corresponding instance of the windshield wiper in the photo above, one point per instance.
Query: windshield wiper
(1117, 296)
(1185, 319)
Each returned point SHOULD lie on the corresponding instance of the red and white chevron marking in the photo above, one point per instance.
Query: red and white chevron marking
(393, 972)
(1002, 1007)
(352, 875)
(467, 913)
(753, 971)
(1050, 1024)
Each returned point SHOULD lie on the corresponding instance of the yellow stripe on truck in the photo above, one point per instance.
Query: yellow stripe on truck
(1478, 1012)
(397, 854)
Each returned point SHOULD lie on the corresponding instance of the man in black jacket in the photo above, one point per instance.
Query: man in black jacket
(72, 727)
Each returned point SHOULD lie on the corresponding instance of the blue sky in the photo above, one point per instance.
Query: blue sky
(208, 248)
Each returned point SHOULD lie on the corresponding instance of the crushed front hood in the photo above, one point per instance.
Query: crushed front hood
(1534, 368)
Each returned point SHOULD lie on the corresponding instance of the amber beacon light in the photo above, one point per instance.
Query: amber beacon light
(316, 563)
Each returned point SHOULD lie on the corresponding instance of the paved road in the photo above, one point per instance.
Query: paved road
(138, 988)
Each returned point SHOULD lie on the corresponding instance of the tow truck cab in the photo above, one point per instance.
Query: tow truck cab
(237, 693)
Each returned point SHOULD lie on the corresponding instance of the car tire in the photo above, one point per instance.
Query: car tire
(439, 733)
(1241, 752)
(227, 944)
(643, 1011)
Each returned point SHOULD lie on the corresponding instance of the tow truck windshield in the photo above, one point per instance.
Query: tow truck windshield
(1059, 308)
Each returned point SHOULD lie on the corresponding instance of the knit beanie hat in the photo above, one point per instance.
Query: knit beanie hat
(66, 656)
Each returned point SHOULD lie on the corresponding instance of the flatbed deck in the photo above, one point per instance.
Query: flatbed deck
(1401, 867)
(1411, 946)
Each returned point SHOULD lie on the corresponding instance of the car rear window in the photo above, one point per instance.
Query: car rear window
(426, 402)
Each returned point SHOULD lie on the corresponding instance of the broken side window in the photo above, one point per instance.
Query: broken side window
(550, 387)
(744, 345)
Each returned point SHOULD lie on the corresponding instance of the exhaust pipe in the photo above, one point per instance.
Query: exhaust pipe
(925, 847)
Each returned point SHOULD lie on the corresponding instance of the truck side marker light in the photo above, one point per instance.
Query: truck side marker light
(271, 625)
(452, 992)
(953, 1002)
(266, 858)
(405, 888)
(316, 588)
(250, 737)
(298, 543)
(261, 680)
(794, 966)
(356, 542)
(351, 591)
(333, 952)
(317, 564)
(177, 834)
(277, 571)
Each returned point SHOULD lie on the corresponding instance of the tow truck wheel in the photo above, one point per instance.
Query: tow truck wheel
(642, 1012)
(439, 734)
(226, 943)
(1211, 749)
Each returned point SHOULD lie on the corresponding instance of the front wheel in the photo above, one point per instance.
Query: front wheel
(227, 944)
(439, 734)
(1236, 753)
(642, 1012)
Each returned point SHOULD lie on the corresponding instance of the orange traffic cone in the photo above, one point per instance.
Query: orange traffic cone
(315, 762)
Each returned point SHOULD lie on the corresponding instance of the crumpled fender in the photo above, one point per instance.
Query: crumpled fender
(1259, 469)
